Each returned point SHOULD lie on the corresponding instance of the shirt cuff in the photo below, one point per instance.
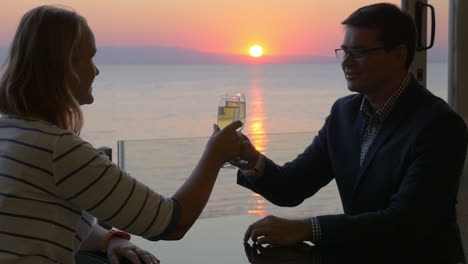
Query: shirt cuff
(257, 170)
(175, 218)
(316, 230)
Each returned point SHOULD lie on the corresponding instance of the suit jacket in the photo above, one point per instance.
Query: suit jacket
(402, 198)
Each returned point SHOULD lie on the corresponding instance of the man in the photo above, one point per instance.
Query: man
(395, 150)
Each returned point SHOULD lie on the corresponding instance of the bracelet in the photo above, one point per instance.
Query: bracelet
(110, 235)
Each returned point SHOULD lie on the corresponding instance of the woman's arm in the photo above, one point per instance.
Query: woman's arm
(194, 193)
(117, 248)
(93, 241)
(91, 182)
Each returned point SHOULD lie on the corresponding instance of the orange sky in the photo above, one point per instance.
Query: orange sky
(223, 26)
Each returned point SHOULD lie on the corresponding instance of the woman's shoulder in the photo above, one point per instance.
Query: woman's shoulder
(36, 132)
(23, 124)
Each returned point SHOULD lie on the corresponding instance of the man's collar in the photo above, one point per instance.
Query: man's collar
(383, 111)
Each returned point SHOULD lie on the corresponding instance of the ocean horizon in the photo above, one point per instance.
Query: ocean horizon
(157, 101)
(154, 54)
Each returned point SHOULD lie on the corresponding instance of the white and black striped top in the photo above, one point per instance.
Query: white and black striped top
(50, 178)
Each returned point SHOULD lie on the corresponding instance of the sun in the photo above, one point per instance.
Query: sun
(256, 51)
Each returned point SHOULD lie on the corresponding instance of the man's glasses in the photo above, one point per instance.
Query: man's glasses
(356, 54)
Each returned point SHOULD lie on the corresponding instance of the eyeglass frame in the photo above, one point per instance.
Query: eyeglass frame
(366, 51)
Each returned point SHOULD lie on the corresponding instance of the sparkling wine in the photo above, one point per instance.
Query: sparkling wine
(228, 114)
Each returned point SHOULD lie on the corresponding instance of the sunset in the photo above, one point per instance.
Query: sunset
(233, 131)
(300, 27)
(256, 51)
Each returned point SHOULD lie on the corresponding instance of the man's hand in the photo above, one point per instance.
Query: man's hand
(278, 231)
(298, 254)
(247, 153)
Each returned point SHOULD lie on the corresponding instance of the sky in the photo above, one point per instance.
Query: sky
(292, 27)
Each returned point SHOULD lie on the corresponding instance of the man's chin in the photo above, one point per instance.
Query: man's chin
(354, 87)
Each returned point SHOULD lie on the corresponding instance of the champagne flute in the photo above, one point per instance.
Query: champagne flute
(231, 107)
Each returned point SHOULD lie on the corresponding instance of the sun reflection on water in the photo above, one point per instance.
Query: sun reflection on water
(256, 121)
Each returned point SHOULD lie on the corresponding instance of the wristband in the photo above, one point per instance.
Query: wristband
(111, 235)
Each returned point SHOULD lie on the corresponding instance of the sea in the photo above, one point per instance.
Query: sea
(166, 101)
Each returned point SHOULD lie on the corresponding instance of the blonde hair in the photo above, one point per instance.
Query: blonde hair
(38, 75)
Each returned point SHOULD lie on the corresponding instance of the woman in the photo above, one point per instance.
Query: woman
(52, 182)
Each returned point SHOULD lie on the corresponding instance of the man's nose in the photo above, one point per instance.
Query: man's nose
(347, 60)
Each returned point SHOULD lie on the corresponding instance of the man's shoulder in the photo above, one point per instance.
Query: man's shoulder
(348, 102)
(442, 113)
(431, 110)
(431, 105)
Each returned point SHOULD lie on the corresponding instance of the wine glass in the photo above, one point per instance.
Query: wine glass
(231, 107)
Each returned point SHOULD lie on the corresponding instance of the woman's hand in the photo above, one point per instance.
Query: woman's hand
(224, 145)
(119, 249)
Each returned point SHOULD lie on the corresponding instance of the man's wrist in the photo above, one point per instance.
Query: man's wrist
(260, 163)
(257, 169)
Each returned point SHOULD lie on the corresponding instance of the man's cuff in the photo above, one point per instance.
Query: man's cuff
(257, 170)
(316, 230)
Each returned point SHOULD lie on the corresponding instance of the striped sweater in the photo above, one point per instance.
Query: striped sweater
(50, 179)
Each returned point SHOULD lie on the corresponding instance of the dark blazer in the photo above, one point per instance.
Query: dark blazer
(402, 199)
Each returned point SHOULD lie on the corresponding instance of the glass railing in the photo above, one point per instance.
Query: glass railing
(164, 164)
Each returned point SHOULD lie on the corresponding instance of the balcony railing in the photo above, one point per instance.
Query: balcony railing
(164, 164)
